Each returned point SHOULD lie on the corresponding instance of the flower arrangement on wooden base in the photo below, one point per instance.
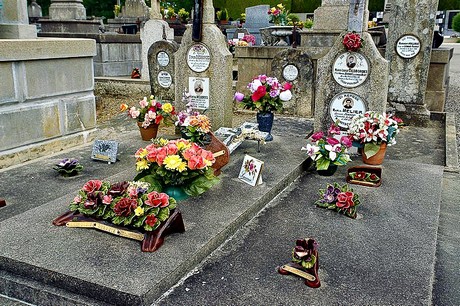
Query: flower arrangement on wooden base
(339, 198)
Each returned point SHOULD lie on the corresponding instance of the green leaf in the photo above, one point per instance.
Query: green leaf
(370, 149)
(163, 215)
(129, 219)
(322, 164)
(200, 185)
(155, 185)
(118, 220)
(172, 203)
(140, 221)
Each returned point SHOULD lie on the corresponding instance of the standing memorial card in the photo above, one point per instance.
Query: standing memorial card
(251, 171)
(105, 150)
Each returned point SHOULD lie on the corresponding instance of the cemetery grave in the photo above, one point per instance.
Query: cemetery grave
(259, 223)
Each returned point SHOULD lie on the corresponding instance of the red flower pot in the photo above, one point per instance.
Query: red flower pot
(376, 159)
(148, 133)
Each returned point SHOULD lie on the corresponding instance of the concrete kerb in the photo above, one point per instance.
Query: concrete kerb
(451, 144)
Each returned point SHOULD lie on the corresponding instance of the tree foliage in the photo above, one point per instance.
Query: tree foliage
(456, 23)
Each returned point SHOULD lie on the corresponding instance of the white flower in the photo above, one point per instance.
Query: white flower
(332, 153)
(143, 103)
(254, 85)
(286, 95)
(311, 149)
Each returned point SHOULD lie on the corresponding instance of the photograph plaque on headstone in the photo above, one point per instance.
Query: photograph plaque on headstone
(164, 79)
(350, 69)
(290, 72)
(163, 58)
(345, 106)
(198, 58)
(199, 92)
(408, 46)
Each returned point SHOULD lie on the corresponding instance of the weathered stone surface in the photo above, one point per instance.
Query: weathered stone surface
(161, 69)
(219, 74)
(151, 32)
(67, 10)
(301, 103)
(408, 76)
(135, 8)
(373, 90)
(14, 22)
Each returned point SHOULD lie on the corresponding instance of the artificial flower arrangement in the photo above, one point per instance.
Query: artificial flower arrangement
(150, 111)
(339, 198)
(136, 73)
(250, 39)
(278, 14)
(68, 167)
(303, 252)
(193, 126)
(371, 129)
(364, 176)
(326, 149)
(267, 94)
(352, 41)
(176, 163)
(130, 204)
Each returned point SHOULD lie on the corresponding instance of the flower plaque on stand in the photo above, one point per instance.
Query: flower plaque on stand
(125, 209)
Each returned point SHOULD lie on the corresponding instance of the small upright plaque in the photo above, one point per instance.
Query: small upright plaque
(164, 79)
(199, 92)
(408, 46)
(198, 58)
(163, 58)
(290, 72)
(105, 150)
(251, 171)
(350, 69)
(345, 106)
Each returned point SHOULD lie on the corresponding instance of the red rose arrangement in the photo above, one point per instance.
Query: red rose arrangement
(339, 198)
(352, 41)
(125, 203)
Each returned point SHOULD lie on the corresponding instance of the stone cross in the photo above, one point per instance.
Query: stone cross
(155, 10)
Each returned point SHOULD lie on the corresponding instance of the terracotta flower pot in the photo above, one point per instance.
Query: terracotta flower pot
(148, 133)
(376, 159)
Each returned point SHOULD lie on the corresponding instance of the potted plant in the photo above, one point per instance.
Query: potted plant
(327, 151)
(222, 16)
(278, 15)
(373, 132)
(149, 115)
(183, 15)
(170, 14)
(267, 95)
(178, 167)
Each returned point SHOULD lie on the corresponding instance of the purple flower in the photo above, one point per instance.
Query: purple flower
(238, 96)
(331, 194)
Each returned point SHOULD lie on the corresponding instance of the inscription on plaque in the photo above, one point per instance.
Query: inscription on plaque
(105, 150)
(198, 58)
(163, 58)
(164, 79)
(350, 69)
(290, 72)
(199, 92)
(345, 106)
(408, 46)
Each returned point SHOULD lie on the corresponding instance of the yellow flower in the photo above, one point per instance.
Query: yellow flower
(167, 107)
(273, 9)
(162, 142)
(182, 167)
(280, 6)
(141, 165)
(172, 162)
(182, 145)
(139, 211)
(141, 153)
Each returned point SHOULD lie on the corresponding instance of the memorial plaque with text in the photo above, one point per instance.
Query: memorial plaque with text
(345, 106)
(290, 72)
(199, 92)
(164, 79)
(198, 58)
(163, 58)
(350, 69)
(408, 46)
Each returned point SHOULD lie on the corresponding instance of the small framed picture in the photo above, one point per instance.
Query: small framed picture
(251, 171)
(105, 150)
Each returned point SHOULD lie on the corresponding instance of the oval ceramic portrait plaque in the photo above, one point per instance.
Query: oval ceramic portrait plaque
(164, 79)
(350, 69)
(198, 58)
(290, 72)
(408, 46)
(163, 58)
(345, 106)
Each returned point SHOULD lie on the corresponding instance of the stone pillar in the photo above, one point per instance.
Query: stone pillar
(204, 69)
(155, 10)
(410, 35)
(14, 22)
(67, 10)
(332, 15)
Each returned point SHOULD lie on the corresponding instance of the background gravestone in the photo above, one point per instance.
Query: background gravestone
(161, 69)
(295, 66)
(349, 83)
(257, 18)
(151, 32)
(67, 9)
(14, 22)
(204, 68)
(410, 35)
